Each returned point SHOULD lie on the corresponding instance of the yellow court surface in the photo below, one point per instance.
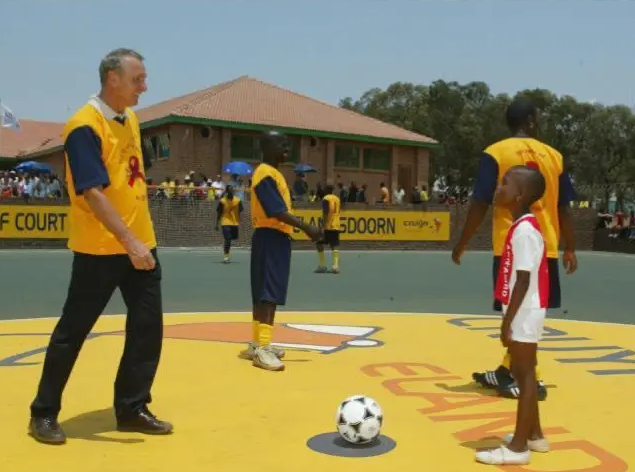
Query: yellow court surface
(230, 416)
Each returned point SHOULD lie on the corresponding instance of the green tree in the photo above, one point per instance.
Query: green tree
(597, 142)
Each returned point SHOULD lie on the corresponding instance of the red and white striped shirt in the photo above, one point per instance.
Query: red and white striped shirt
(524, 250)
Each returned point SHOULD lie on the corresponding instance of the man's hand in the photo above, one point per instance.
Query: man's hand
(506, 333)
(140, 255)
(570, 261)
(315, 233)
(457, 252)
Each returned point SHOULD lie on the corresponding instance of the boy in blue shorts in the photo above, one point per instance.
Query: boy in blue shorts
(228, 216)
(273, 225)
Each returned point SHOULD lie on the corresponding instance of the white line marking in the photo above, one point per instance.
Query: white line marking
(299, 312)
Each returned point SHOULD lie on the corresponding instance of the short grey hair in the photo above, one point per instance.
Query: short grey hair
(113, 60)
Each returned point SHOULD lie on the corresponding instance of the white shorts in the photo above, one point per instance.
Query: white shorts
(528, 325)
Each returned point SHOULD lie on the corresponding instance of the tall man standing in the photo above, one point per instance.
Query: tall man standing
(114, 246)
(551, 211)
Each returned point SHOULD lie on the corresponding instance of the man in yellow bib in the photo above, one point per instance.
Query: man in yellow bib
(551, 211)
(331, 209)
(114, 246)
(273, 223)
(228, 216)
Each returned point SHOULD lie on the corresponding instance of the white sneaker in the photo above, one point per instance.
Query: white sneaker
(536, 445)
(503, 456)
(266, 358)
(250, 352)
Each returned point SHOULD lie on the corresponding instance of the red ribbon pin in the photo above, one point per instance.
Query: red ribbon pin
(135, 171)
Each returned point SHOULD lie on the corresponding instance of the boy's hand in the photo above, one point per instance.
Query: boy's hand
(457, 252)
(506, 333)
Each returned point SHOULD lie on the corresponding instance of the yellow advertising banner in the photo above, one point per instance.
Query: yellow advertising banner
(34, 222)
(378, 225)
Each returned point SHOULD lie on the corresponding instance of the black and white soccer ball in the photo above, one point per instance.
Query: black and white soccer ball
(359, 419)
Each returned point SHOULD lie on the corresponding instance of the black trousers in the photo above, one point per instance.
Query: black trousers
(93, 282)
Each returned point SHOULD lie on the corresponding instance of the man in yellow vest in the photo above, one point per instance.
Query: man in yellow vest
(114, 246)
(331, 209)
(273, 222)
(552, 211)
(228, 216)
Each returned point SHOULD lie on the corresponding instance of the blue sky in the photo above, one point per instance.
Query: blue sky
(327, 49)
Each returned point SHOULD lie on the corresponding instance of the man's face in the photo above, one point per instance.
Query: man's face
(130, 82)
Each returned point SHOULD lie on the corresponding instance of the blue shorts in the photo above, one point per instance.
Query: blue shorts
(554, 283)
(270, 266)
(230, 232)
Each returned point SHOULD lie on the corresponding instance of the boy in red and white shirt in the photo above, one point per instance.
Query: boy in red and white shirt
(523, 289)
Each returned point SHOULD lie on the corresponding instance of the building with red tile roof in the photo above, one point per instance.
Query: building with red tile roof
(206, 129)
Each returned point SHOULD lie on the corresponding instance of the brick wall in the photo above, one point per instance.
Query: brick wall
(191, 224)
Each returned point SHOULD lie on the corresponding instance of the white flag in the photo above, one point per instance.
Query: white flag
(8, 119)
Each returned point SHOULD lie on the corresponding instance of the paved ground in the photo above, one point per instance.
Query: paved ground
(34, 284)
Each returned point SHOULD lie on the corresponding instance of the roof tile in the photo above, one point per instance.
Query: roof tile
(32, 136)
(248, 100)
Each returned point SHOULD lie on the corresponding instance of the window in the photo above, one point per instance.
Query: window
(377, 158)
(163, 146)
(294, 149)
(346, 155)
(245, 148)
(157, 147)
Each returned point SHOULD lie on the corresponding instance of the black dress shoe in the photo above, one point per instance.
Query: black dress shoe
(47, 430)
(143, 422)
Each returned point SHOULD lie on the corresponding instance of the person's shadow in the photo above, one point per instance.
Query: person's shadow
(92, 425)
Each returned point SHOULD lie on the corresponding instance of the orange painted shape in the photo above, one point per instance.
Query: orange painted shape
(241, 332)
(403, 368)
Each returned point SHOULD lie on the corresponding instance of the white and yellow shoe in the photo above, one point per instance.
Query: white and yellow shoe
(266, 358)
(250, 352)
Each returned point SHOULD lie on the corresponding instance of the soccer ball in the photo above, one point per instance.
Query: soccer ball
(359, 419)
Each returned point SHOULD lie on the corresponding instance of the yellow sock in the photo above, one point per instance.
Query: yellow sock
(336, 259)
(265, 332)
(507, 363)
(255, 331)
(322, 258)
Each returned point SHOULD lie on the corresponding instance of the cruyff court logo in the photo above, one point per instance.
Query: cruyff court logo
(325, 339)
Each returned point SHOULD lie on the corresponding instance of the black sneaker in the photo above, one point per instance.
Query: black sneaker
(499, 378)
(143, 421)
(512, 391)
(47, 430)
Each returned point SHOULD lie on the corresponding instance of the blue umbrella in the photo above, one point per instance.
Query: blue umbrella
(238, 168)
(304, 169)
(33, 166)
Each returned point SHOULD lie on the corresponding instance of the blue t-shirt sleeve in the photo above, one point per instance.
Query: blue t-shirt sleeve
(325, 206)
(486, 179)
(270, 198)
(83, 148)
(566, 194)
